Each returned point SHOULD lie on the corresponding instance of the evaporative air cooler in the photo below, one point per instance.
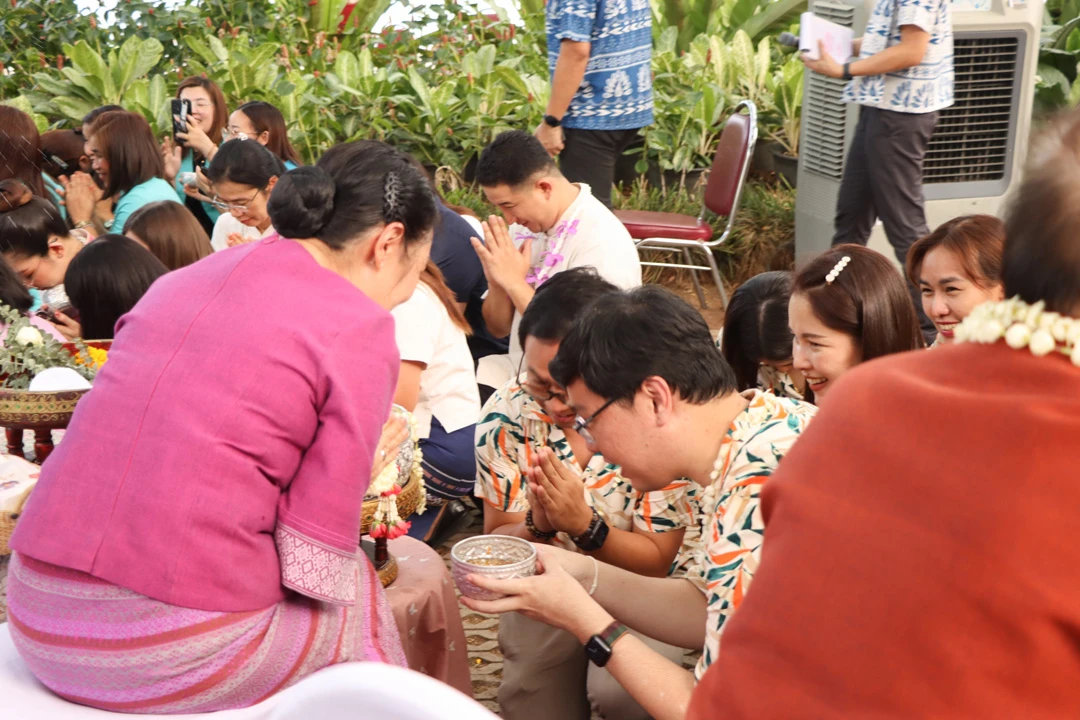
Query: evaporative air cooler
(977, 151)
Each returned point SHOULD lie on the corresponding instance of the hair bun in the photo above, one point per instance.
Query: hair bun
(14, 194)
(302, 202)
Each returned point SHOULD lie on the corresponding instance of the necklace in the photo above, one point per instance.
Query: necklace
(1022, 325)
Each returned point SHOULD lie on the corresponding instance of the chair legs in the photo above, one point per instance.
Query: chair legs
(693, 276)
(716, 275)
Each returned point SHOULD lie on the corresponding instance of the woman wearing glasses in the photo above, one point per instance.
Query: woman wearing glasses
(541, 481)
(242, 174)
(205, 129)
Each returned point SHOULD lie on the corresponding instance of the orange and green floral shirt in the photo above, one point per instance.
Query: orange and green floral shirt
(731, 545)
(513, 427)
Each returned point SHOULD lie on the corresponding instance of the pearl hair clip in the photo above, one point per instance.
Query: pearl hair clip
(837, 269)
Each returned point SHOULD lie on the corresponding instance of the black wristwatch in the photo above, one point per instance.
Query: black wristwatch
(552, 121)
(594, 536)
(598, 649)
(847, 71)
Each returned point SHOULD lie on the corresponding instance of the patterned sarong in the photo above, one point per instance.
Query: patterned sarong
(97, 644)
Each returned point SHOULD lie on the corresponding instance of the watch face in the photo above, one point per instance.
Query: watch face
(598, 651)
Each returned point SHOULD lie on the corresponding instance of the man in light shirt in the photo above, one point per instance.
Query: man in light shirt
(901, 77)
(554, 225)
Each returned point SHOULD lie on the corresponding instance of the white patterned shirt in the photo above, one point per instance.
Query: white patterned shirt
(925, 88)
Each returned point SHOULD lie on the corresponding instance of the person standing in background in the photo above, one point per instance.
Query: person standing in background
(902, 76)
(600, 59)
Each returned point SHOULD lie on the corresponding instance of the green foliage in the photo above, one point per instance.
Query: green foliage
(440, 94)
(1056, 84)
(692, 18)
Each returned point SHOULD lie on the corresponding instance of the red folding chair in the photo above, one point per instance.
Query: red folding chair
(685, 234)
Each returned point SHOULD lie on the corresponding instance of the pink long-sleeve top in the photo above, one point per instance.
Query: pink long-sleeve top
(223, 453)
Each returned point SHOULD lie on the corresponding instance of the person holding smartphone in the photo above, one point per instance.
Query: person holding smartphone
(198, 129)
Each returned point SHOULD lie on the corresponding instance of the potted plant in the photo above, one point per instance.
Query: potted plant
(786, 85)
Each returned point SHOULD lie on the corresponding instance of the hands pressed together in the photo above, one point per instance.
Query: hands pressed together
(504, 264)
(395, 431)
(556, 494)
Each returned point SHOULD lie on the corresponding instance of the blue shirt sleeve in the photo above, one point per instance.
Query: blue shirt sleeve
(572, 19)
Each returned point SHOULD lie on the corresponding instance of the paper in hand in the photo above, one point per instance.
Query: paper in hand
(814, 30)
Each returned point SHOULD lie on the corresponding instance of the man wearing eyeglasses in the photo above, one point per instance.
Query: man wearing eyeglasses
(541, 481)
(643, 372)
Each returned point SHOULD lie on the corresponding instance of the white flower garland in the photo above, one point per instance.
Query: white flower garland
(386, 521)
(1022, 325)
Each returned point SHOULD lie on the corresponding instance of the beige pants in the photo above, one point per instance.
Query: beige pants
(547, 677)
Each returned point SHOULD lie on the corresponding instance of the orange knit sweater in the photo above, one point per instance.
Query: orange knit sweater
(922, 552)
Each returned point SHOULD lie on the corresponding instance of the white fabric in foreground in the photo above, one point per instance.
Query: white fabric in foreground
(374, 691)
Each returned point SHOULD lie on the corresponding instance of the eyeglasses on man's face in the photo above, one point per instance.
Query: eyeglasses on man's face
(581, 425)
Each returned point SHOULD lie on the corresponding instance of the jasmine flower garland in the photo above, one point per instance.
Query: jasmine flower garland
(1023, 325)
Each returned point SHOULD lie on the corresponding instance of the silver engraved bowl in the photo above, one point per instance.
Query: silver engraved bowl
(494, 556)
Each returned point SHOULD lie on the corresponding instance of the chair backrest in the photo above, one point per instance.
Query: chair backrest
(731, 162)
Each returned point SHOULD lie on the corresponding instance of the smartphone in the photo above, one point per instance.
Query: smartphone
(180, 111)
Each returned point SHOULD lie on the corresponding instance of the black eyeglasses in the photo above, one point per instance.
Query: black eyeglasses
(538, 391)
(581, 425)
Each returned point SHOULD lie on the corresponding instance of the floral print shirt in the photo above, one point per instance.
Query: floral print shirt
(778, 383)
(731, 545)
(925, 88)
(513, 427)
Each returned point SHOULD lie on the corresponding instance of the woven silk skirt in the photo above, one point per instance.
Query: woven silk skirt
(97, 644)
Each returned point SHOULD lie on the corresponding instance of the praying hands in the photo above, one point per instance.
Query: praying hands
(558, 491)
(504, 264)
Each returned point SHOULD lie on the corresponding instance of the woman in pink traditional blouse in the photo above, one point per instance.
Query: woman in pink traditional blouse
(192, 545)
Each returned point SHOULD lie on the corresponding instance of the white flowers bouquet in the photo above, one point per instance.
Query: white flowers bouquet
(1023, 325)
(27, 351)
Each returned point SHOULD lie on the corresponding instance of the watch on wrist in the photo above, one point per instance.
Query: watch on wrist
(594, 536)
(847, 71)
(537, 532)
(552, 121)
(598, 649)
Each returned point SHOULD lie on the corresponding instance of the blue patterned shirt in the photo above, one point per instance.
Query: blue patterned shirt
(928, 86)
(616, 93)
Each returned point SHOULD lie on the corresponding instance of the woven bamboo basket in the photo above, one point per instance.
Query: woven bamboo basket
(7, 525)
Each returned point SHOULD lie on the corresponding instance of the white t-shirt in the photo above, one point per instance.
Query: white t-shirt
(426, 334)
(587, 234)
(226, 224)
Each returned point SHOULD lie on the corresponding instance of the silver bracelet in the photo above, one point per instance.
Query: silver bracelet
(596, 575)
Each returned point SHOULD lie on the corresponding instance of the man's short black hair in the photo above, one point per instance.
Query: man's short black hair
(512, 158)
(625, 337)
(559, 301)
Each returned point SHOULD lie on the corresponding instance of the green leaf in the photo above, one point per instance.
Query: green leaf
(200, 48)
(73, 108)
(423, 92)
(51, 85)
(158, 103)
(773, 12)
(347, 69)
(82, 81)
(137, 57)
(21, 103)
(86, 59)
(218, 48)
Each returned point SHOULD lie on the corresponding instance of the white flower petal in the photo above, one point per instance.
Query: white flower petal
(1041, 343)
(1017, 336)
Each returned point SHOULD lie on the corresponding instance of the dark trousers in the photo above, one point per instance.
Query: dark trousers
(883, 179)
(590, 157)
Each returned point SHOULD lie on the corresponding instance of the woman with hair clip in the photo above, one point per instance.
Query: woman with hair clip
(213, 478)
(242, 174)
(957, 268)
(848, 305)
(756, 340)
(262, 122)
(437, 384)
(205, 129)
(170, 232)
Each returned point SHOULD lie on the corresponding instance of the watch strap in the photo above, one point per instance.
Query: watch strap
(613, 632)
(847, 71)
(593, 538)
(552, 121)
(599, 648)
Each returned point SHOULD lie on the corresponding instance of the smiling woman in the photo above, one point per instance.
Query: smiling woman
(848, 305)
(956, 268)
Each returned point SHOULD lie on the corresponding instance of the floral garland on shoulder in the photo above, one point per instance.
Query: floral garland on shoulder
(387, 522)
(1023, 325)
(552, 254)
